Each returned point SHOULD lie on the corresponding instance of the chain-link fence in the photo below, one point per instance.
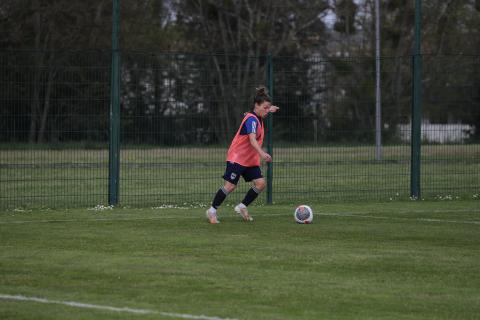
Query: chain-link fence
(180, 111)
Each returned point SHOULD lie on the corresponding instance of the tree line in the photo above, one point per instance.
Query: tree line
(189, 67)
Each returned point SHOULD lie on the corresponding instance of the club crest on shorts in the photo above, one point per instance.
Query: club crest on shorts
(233, 176)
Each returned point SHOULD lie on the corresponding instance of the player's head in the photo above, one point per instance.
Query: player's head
(261, 102)
(261, 95)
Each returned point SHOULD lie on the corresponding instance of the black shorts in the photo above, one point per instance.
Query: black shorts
(234, 171)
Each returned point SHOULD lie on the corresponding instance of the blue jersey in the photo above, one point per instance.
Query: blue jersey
(249, 126)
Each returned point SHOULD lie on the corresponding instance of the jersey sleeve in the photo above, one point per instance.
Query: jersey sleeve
(249, 126)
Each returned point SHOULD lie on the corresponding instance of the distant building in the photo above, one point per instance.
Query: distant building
(438, 133)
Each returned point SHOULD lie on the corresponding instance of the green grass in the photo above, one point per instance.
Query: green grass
(76, 178)
(396, 260)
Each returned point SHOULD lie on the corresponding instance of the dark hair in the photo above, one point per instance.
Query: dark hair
(261, 95)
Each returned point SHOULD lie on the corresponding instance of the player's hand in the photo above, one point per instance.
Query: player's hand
(266, 157)
(273, 109)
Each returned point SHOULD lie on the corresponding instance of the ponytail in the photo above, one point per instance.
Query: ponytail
(261, 95)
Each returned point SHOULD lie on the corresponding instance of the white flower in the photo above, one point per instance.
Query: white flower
(101, 207)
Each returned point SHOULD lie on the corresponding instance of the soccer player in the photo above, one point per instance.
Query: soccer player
(243, 157)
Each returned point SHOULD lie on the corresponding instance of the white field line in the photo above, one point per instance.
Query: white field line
(337, 214)
(109, 308)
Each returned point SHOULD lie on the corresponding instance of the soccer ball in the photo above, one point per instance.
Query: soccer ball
(303, 214)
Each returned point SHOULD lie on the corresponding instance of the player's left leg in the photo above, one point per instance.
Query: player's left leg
(258, 185)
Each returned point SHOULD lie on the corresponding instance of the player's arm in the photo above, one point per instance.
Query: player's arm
(253, 141)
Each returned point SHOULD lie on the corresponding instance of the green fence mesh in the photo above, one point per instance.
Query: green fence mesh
(54, 128)
(451, 128)
(180, 111)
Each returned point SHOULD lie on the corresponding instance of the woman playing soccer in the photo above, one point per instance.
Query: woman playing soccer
(243, 157)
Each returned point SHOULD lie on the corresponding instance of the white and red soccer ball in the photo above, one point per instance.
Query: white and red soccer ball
(303, 214)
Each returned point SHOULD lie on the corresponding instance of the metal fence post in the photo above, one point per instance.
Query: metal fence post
(114, 134)
(269, 124)
(378, 90)
(416, 107)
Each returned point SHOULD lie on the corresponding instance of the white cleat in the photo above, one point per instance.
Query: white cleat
(242, 210)
(212, 217)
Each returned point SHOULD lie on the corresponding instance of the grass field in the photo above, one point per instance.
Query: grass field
(77, 177)
(396, 260)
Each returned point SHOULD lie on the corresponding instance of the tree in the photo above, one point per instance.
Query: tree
(50, 33)
(239, 33)
(45, 28)
(345, 10)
